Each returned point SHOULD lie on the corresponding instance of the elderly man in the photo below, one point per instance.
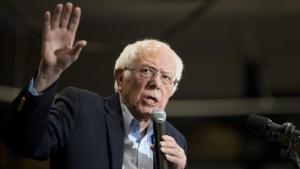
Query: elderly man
(83, 130)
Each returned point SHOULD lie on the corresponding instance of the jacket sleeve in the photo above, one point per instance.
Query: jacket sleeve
(36, 126)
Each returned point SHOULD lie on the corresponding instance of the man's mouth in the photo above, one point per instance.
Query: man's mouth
(151, 100)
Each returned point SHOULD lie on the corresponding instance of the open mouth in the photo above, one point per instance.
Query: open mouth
(151, 100)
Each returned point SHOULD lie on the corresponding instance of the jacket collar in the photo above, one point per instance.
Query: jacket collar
(115, 130)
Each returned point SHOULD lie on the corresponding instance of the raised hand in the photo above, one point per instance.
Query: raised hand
(59, 49)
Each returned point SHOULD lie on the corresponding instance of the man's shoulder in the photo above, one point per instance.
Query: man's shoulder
(84, 94)
(78, 95)
(78, 91)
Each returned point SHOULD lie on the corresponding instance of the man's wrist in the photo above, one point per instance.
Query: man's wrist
(31, 88)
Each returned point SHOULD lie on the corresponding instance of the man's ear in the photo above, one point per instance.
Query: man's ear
(119, 78)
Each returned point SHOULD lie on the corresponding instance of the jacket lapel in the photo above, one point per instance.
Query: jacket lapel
(115, 130)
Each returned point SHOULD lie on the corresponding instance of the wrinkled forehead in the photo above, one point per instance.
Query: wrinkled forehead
(156, 50)
(158, 55)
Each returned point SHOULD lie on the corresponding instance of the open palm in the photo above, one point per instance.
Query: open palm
(58, 49)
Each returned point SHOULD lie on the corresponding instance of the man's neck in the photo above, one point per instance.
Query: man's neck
(143, 127)
(143, 119)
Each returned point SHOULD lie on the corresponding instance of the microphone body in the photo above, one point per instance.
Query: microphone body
(286, 134)
(158, 118)
(272, 130)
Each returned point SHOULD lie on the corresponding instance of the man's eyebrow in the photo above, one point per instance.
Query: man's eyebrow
(153, 68)
(149, 66)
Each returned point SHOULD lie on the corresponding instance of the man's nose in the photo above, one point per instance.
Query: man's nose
(155, 82)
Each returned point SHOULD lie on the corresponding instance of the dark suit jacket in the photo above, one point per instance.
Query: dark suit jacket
(79, 130)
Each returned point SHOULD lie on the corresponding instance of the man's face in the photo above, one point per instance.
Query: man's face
(142, 95)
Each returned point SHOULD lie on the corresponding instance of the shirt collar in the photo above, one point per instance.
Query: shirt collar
(127, 116)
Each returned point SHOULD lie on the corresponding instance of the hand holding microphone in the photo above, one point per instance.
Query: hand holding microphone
(166, 148)
(159, 118)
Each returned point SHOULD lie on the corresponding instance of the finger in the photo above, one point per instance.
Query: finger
(178, 158)
(56, 16)
(47, 18)
(168, 141)
(66, 15)
(75, 19)
(172, 151)
(77, 48)
(171, 147)
(169, 144)
(179, 162)
(168, 138)
(169, 151)
(172, 159)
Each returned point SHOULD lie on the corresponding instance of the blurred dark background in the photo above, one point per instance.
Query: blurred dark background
(240, 56)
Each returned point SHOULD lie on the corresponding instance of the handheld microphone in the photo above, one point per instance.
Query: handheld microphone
(273, 131)
(159, 118)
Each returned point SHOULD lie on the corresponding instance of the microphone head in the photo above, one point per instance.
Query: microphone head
(158, 115)
(258, 124)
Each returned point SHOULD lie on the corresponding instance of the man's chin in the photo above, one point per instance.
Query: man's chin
(149, 110)
(146, 111)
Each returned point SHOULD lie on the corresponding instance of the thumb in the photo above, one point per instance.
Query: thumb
(77, 48)
(152, 147)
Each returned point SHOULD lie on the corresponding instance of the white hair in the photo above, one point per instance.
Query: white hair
(129, 55)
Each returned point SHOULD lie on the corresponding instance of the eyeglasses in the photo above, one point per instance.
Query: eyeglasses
(149, 73)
